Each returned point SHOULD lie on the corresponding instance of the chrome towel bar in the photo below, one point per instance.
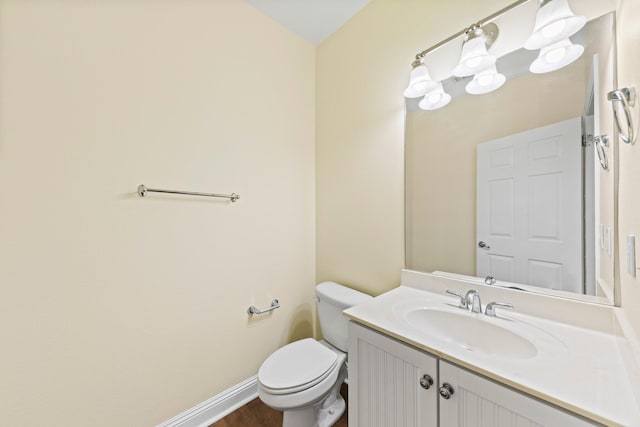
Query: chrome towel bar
(254, 310)
(143, 190)
(626, 97)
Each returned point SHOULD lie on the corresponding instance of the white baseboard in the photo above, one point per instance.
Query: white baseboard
(216, 408)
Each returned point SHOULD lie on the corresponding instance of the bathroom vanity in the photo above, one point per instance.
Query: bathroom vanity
(417, 359)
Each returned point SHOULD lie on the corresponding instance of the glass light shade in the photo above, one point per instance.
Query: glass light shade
(554, 22)
(474, 58)
(485, 81)
(556, 56)
(435, 99)
(419, 82)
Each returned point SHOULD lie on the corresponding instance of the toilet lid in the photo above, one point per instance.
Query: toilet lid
(297, 366)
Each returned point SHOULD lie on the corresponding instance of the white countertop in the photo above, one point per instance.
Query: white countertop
(583, 370)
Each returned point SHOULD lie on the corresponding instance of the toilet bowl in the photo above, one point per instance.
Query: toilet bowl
(303, 379)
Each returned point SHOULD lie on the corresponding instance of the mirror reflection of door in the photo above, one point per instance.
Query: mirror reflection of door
(529, 207)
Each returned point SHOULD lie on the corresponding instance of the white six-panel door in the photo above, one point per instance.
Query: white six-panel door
(529, 207)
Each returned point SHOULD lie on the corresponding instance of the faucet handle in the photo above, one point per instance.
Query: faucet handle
(463, 299)
(473, 301)
(491, 308)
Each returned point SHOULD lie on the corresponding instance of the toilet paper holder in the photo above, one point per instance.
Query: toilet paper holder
(253, 310)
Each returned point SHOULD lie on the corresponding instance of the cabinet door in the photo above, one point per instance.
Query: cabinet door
(385, 382)
(477, 401)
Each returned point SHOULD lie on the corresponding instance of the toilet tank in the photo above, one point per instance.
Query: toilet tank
(332, 299)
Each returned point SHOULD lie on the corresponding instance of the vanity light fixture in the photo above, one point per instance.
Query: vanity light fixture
(556, 56)
(485, 81)
(555, 21)
(475, 55)
(420, 81)
(437, 98)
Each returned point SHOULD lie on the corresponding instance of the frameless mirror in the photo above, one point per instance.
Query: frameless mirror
(512, 184)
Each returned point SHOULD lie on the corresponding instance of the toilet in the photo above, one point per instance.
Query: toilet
(303, 379)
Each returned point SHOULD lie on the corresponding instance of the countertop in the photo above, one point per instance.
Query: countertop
(583, 370)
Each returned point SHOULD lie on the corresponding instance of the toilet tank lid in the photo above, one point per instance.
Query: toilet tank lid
(340, 296)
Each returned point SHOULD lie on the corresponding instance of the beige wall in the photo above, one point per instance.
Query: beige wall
(629, 202)
(122, 311)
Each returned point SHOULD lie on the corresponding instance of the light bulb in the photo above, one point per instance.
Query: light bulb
(473, 62)
(474, 57)
(435, 99)
(419, 82)
(485, 81)
(556, 56)
(555, 21)
(553, 29)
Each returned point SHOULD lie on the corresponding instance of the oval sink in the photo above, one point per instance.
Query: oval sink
(471, 332)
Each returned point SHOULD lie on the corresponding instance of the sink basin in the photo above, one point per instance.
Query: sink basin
(472, 332)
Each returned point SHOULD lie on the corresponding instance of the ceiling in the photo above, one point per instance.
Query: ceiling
(314, 20)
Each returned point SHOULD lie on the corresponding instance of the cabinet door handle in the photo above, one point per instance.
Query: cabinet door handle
(426, 382)
(446, 391)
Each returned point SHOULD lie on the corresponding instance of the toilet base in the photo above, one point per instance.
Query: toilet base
(329, 416)
(323, 414)
(303, 417)
(315, 416)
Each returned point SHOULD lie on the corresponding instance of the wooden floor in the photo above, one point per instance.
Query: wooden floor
(257, 414)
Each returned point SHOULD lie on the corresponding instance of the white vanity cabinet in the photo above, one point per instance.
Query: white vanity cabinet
(477, 401)
(389, 387)
(390, 383)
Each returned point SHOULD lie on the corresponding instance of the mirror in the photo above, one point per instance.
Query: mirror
(474, 209)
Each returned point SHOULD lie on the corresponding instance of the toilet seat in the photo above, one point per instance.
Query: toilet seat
(296, 367)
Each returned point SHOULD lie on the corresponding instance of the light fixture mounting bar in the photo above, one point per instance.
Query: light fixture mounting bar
(482, 22)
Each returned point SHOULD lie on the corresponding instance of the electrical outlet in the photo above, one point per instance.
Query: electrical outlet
(631, 255)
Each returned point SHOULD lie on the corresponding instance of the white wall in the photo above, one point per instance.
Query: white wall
(117, 310)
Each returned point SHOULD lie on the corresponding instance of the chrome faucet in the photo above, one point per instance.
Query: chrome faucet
(470, 301)
(473, 301)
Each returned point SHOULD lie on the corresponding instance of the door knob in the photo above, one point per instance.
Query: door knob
(426, 382)
(446, 391)
(483, 245)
